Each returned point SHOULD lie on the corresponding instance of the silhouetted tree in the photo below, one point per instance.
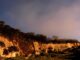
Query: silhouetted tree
(55, 37)
(29, 35)
(1, 27)
(1, 23)
(40, 37)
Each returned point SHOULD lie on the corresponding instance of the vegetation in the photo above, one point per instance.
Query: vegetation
(16, 34)
(73, 54)
(25, 43)
(68, 56)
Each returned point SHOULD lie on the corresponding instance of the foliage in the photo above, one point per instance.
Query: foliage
(26, 40)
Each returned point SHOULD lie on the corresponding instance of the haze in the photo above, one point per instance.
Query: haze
(49, 17)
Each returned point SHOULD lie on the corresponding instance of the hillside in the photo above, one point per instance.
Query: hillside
(14, 42)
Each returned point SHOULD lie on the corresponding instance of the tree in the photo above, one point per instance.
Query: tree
(1, 27)
(29, 35)
(1, 23)
(40, 37)
(55, 37)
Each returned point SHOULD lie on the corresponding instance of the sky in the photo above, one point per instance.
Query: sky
(48, 17)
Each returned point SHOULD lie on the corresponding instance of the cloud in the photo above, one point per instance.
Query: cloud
(59, 18)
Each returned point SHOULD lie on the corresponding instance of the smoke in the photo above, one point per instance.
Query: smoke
(48, 17)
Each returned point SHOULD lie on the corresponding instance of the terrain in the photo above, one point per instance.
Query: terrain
(17, 45)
